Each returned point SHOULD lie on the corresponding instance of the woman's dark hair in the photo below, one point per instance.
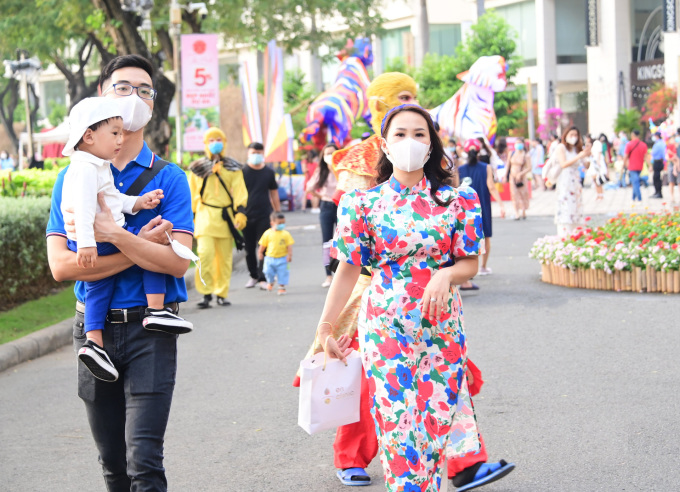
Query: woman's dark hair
(501, 146)
(579, 142)
(484, 145)
(256, 146)
(434, 172)
(606, 140)
(472, 157)
(324, 170)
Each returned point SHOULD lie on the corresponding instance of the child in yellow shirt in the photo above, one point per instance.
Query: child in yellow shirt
(276, 248)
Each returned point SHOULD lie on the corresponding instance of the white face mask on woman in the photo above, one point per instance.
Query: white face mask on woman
(136, 113)
(407, 155)
(571, 140)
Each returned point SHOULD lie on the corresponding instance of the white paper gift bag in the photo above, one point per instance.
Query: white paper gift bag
(329, 397)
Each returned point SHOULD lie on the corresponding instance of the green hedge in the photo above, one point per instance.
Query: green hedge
(38, 182)
(23, 252)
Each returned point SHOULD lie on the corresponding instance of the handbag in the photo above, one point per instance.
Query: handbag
(329, 392)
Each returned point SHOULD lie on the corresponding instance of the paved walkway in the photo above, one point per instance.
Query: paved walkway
(580, 388)
(615, 201)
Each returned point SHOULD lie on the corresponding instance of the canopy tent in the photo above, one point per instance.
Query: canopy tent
(50, 142)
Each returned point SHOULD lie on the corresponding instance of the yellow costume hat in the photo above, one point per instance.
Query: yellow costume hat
(383, 95)
(215, 132)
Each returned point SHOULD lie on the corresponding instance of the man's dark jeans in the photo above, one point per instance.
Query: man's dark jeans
(657, 167)
(252, 234)
(128, 417)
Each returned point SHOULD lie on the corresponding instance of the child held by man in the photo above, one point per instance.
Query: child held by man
(95, 139)
(276, 248)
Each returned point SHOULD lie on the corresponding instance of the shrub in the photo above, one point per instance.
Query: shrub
(30, 182)
(23, 254)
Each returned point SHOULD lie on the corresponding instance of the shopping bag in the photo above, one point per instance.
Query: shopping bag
(329, 397)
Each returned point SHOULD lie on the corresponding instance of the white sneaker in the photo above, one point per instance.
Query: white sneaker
(263, 285)
(316, 210)
(484, 271)
(252, 282)
(326, 284)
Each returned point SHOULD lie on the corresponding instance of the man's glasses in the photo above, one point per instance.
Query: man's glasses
(123, 89)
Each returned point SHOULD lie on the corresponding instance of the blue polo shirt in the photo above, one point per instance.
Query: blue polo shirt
(175, 207)
(659, 150)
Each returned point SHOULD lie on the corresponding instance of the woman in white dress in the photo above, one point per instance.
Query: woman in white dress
(570, 153)
(598, 171)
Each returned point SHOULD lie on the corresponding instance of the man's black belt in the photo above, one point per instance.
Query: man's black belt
(128, 315)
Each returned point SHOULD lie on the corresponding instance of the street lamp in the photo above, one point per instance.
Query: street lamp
(22, 70)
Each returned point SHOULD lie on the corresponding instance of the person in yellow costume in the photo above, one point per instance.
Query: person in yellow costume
(218, 200)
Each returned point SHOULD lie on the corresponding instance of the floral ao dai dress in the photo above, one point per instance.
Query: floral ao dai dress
(414, 367)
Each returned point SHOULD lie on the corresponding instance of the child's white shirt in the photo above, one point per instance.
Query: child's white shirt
(86, 176)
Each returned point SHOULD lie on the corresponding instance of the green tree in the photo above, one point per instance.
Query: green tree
(491, 35)
(628, 120)
(297, 95)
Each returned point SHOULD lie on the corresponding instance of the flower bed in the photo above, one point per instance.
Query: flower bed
(629, 253)
(28, 182)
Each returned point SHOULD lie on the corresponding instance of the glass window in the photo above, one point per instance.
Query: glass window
(570, 31)
(647, 26)
(522, 17)
(392, 44)
(52, 91)
(444, 38)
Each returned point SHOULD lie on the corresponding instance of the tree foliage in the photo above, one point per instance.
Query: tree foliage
(491, 35)
(256, 22)
(628, 120)
(660, 103)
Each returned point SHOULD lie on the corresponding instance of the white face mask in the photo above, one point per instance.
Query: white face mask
(328, 159)
(572, 140)
(136, 113)
(408, 154)
(184, 252)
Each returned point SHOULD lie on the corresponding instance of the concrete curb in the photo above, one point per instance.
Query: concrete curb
(54, 337)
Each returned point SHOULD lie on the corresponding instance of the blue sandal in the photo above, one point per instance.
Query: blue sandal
(485, 474)
(354, 477)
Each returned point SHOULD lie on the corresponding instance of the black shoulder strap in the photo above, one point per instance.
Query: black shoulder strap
(145, 177)
(205, 180)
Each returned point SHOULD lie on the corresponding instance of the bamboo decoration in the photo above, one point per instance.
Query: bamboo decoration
(635, 280)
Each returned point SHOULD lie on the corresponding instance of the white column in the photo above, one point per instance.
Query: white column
(605, 62)
(546, 54)
(671, 59)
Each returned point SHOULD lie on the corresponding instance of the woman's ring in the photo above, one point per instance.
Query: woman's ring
(433, 300)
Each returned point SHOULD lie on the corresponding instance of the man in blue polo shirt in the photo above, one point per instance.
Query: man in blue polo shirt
(128, 417)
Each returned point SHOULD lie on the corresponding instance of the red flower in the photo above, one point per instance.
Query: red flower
(645, 240)
(653, 236)
(422, 208)
(389, 348)
(452, 353)
(399, 465)
(661, 244)
(632, 233)
(674, 246)
(587, 219)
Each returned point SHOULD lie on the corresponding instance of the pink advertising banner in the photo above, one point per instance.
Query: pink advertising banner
(200, 88)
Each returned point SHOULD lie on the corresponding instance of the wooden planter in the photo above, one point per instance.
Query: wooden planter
(636, 280)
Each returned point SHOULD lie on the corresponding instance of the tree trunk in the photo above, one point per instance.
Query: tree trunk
(7, 110)
(480, 8)
(128, 41)
(422, 32)
(315, 62)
